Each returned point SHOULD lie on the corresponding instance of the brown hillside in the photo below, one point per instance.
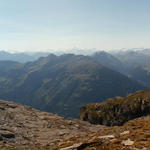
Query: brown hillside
(118, 110)
(24, 128)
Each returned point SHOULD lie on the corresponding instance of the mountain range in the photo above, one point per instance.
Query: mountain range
(92, 88)
(21, 57)
(62, 84)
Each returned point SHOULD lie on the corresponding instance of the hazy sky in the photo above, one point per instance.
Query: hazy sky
(63, 24)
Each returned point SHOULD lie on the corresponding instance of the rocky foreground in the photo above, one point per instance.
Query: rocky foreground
(24, 128)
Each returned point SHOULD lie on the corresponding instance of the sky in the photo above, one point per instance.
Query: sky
(41, 25)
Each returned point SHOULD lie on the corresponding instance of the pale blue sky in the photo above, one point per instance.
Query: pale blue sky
(63, 24)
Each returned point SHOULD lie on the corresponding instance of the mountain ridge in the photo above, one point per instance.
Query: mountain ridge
(62, 84)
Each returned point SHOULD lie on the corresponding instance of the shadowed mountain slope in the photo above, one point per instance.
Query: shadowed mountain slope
(141, 73)
(63, 84)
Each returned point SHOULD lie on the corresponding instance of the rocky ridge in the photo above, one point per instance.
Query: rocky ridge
(117, 111)
(25, 128)
(22, 126)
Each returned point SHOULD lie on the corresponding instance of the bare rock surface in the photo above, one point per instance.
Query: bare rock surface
(128, 142)
(24, 128)
(22, 125)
